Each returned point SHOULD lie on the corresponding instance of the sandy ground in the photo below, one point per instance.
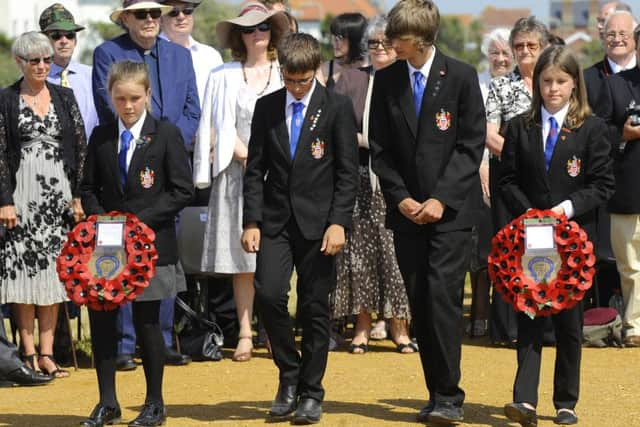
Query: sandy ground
(379, 388)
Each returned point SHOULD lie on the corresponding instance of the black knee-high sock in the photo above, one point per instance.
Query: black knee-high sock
(104, 342)
(146, 322)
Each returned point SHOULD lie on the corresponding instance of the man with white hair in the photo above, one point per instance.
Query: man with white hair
(606, 10)
(620, 52)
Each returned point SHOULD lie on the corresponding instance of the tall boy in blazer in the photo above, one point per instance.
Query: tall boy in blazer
(427, 135)
(299, 191)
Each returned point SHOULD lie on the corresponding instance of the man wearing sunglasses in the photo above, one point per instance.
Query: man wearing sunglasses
(173, 84)
(58, 24)
(174, 97)
(177, 26)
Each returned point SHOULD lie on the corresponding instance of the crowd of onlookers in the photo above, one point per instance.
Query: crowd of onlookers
(59, 164)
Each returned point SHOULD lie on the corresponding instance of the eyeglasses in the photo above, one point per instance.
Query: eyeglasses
(187, 11)
(298, 82)
(57, 35)
(612, 36)
(383, 43)
(36, 61)
(262, 27)
(335, 38)
(531, 47)
(142, 14)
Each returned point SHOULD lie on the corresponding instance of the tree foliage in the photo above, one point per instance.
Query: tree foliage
(9, 71)
(459, 41)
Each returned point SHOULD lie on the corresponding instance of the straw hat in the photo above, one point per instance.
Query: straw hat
(252, 13)
(138, 5)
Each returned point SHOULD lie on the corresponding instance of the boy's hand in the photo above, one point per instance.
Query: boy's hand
(333, 240)
(431, 211)
(251, 238)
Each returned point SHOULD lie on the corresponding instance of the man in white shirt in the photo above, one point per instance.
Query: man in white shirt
(177, 27)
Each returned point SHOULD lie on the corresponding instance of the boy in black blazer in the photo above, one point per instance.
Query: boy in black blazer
(299, 191)
(427, 135)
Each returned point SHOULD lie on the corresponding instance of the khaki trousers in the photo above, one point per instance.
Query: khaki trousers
(625, 242)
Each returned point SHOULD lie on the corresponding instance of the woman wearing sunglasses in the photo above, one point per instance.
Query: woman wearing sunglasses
(227, 110)
(42, 152)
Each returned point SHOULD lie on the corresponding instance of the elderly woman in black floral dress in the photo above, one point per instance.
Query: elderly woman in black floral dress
(42, 151)
(508, 97)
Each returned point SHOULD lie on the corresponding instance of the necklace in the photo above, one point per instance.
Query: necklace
(246, 81)
(34, 97)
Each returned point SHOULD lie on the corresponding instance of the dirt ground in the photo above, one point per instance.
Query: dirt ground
(379, 388)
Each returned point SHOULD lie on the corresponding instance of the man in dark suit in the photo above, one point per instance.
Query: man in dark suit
(427, 135)
(620, 52)
(618, 94)
(304, 141)
(174, 98)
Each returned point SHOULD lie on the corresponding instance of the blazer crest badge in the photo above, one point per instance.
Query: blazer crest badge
(443, 120)
(574, 166)
(317, 149)
(147, 178)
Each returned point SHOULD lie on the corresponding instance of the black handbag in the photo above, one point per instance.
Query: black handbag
(199, 338)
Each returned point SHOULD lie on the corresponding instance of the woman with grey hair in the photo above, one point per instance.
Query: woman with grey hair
(509, 96)
(495, 47)
(42, 152)
(369, 280)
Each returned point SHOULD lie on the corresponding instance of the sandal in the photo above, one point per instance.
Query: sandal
(361, 348)
(31, 361)
(245, 356)
(400, 348)
(379, 331)
(58, 372)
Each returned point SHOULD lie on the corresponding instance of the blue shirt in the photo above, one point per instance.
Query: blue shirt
(79, 77)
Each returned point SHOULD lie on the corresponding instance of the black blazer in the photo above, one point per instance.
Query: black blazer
(171, 188)
(73, 142)
(618, 91)
(415, 158)
(525, 182)
(316, 192)
(594, 78)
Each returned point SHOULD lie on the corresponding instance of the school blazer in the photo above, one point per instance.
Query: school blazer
(618, 91)
(580, 169)
(436, 155)
(318, 188)
(158, 180)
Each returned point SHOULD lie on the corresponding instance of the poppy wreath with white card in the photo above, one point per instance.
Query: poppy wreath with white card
(536, 285)
(126, 273)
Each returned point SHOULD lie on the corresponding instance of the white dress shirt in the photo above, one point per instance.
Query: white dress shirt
(425, 69)
(617, 68)
(289, 105)
(135, 130)
(567, 205)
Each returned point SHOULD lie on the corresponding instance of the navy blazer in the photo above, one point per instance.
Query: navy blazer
(436, 155)
(318, 188)
(158, 180)
(180, 103)
(580, 169)
(594, 78)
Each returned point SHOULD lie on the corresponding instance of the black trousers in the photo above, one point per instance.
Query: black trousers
(433, 266)
(316, 279)
(566, 376)
(104, 342)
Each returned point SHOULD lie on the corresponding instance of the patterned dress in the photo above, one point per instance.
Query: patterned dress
(42, 200)
(508, 96)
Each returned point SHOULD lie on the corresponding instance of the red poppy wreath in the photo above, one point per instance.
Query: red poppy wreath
(562, 290)
(99, 293)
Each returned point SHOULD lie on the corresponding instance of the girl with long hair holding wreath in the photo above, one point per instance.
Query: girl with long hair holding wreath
(555, 156)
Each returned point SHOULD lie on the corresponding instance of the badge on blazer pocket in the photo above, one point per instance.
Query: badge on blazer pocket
(443, 120)
(147, 178)
(574, 166)
(317, 149)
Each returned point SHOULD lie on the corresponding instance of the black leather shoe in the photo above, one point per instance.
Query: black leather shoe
(566, 417)
(26, 376)
(125, 362)
(172, 357)
(103, 415)
(423, 415)
(152, 414)
(309, 411)
(521, 414)
(285, 401)
(446, 413)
